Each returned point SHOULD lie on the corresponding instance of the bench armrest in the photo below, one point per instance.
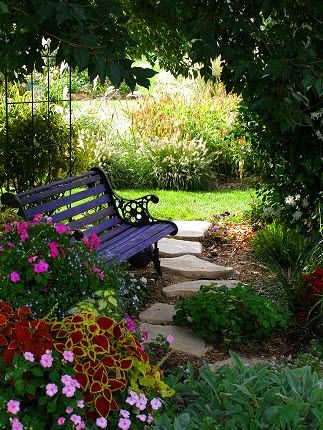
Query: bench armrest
(136, 211)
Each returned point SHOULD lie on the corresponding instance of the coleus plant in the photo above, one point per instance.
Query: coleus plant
(313, 286)
(108, 360)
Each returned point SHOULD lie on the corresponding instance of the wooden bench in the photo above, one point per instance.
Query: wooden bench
(88, 202)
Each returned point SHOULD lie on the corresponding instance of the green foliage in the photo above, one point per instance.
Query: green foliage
(245, 397)
(220, 314)
(25, 382)
(280, 243)
(272, 58)
(85, 34)
(37, 146)
(40, 268)
(312, 357)
(288, 255)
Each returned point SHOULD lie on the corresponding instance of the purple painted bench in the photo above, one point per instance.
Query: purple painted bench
(88, 202)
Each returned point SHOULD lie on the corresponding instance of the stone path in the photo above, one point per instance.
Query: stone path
(180, 257)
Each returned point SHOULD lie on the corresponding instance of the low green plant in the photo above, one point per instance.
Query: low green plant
(220, 314)
(312, 357)
(280, 243)
(244, 397)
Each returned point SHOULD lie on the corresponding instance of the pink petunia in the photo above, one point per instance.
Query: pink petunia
(69, 410)
(62, 228)
(68, 356)
(37, 218)
(16, 424)
(61, 421)
(53, 249)
(1, 248)
(169, 338)
(80, 426)
(51, 390)
(156, 404)
(124, 423)
(46, 360)
(13, 406)
(68, 390)
(7, 228)
(29, 356)
(101, 422)
(92, 241)
(41, 266)
(76, 419)
(11, 245)
(14, 277)
(32, 259)
(24, 236)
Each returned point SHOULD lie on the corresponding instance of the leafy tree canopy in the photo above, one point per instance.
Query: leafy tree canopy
(90, 34)
(272, 49)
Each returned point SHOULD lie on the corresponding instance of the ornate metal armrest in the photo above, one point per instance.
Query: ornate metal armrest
(135, 211)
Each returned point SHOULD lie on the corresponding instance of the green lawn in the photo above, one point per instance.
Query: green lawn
(195, 205)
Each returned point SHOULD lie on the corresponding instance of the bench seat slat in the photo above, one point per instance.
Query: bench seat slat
(84, 207)
(106, 239)
(63, 201)
(104, 225)
(90, 219)
(54, 184)
(59, 189)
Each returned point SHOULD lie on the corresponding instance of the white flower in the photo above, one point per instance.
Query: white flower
(297, 215)
(289, 200)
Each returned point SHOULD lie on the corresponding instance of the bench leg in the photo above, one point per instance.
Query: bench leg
(156, 260)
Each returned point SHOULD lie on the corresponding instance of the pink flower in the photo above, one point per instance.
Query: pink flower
(16, 424)
(149, 419)
(46, 360)
(32, 259)
(142, 402)
(169, 338)
(69, 390)
(133, 398)
(69, 381)
(61, 228)
(1, 248)
(29, 356)
(145, 335)
(68, 356)
(41, 266)
(141, 417)
(124, 423)
(22, 227)
(76, 419)
(156, 404)
(24, 236)
(13, 407)
(131, 326)
(92, 241)
(80, 426)
(124, 413)
(51, 390)
(11, 245)
(14, 277)
(37, 218)
(7, 228)
(80, 404)
(61, 421)
(99, 272)
(101, 422)
(53, 249)
(69, 410)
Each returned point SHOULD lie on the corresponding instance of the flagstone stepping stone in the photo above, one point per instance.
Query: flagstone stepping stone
(250, 361)
(190, 266)
(184, 339)
(158, 313)
(189, 288)
(191, 230)
(175, 247)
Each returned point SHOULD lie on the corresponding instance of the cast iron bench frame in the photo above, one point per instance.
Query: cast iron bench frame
(125, 227)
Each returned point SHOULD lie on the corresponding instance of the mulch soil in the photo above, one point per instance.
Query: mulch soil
(237, 254)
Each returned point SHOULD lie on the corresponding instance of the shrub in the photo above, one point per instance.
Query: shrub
(35, 143)
(245, 397)
(103, 376)
(40, 268)
(219, 314)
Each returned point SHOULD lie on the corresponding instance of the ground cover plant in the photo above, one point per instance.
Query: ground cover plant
(244, 397)
(220, 314)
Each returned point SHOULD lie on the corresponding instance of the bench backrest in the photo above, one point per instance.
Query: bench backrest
(80, 201)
